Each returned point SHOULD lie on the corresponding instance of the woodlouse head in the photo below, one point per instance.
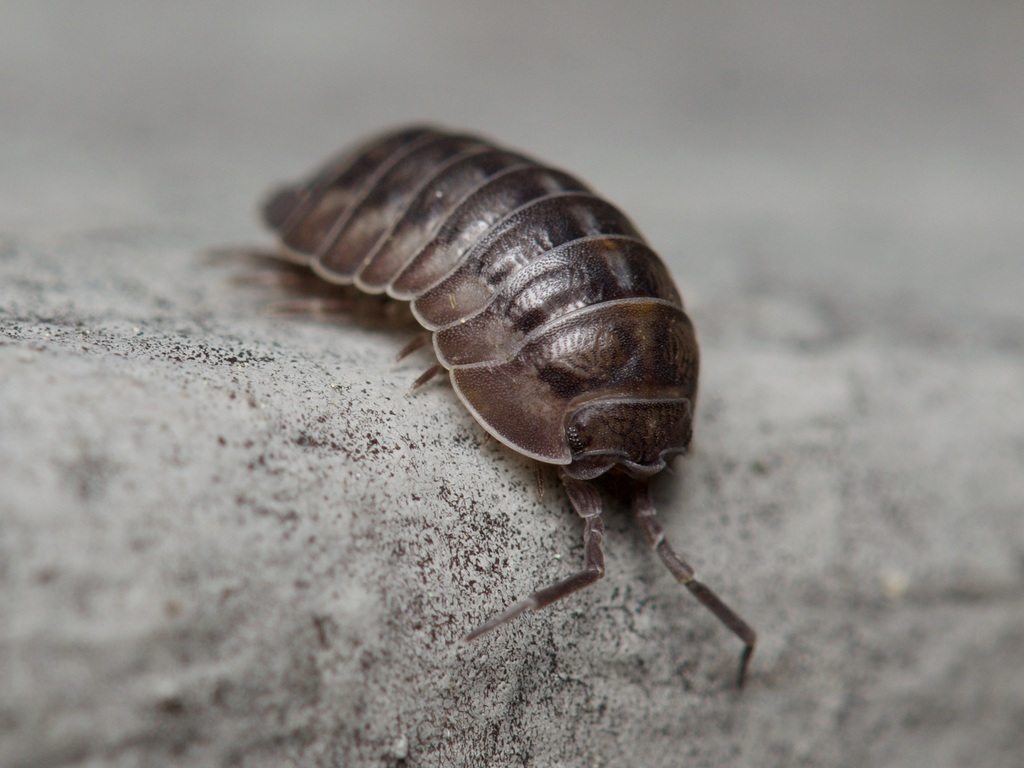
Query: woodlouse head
(636, 434)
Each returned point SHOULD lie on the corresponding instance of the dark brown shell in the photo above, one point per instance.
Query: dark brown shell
(562, 330)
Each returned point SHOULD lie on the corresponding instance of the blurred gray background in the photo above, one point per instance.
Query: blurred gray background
(229, 538)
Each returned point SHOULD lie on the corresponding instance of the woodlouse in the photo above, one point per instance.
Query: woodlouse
(562, 331)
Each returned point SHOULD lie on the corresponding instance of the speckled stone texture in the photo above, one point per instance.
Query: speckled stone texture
(230, 538)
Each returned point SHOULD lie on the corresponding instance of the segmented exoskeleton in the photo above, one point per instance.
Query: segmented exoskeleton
(562, 331)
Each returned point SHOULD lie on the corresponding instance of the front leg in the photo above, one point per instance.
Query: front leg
(587, 503)
(643, 508)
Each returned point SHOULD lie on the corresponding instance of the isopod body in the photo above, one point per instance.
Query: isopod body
(562, 331)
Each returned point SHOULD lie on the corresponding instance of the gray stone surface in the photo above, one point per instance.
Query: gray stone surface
(229, 538)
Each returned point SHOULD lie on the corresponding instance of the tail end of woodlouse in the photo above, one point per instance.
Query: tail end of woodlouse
(279, 206)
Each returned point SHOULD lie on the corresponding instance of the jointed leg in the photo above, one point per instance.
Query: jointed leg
(288, 272)
(426, 376)
(418, 341)
(683, 571)
(587, 503)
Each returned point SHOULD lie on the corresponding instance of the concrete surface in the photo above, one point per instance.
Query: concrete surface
(228, 538)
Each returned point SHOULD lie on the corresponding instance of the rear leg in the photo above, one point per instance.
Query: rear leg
(684, 573)
(418, 341)
(426, 376)
(306, 293)
(314, 297)
(242, 253)
(587, 503)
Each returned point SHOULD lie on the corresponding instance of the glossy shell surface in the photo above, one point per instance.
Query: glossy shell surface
(561, 329)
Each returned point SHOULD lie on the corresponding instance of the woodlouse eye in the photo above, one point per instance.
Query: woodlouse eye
(576, 439)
